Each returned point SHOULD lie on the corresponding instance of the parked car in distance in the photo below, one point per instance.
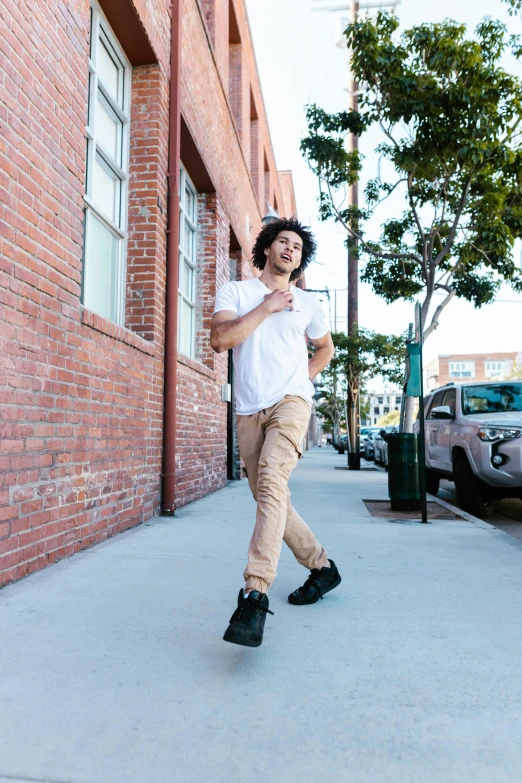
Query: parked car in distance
(474, 438)
(380, 445)
(343, 444)
(363, 435)
(343, 440)
(368, 444)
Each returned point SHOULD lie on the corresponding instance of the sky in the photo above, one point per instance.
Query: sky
(299, 63)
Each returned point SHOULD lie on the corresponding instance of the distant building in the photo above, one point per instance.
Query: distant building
(380, 403)
(460, 367)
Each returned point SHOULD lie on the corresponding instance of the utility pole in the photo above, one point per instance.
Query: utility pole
(354, 453)
(354, 7)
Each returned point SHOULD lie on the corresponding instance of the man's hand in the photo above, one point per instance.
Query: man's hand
(279, 300)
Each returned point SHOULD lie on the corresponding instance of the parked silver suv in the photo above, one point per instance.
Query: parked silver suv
(473, 437)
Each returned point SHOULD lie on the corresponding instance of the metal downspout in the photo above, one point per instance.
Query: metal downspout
(172, 271)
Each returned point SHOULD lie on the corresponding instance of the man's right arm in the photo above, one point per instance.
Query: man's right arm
(229, 330)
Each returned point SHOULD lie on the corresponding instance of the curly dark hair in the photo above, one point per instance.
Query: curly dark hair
(269, 234)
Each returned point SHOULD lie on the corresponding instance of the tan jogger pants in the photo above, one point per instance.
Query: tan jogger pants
(270, 445)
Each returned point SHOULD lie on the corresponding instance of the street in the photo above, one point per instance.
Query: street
(507, 514)
(113, 669)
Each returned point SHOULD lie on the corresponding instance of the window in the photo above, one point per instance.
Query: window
(398, 400)
(494, 369)
(188, 218)
(376, 411)
(386, 409)
(380, 400)
(436, 401)
(462, 369)
(106, 173)
(494, 398)
(450, 399)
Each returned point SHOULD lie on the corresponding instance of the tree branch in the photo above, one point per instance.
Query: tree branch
(451, 236)
(436, 315)
(367, 247)
(419, 227)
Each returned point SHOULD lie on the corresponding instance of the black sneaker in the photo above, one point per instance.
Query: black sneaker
(248, 621)
(319, 582)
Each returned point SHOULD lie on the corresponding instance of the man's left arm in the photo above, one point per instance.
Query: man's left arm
(324, 351)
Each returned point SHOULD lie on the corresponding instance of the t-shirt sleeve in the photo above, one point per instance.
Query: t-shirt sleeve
(318, 325)
(227, 298)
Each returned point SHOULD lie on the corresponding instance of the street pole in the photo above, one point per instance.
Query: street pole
(422, 435)
(354, 455)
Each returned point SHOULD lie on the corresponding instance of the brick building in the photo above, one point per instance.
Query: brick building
(87, 138)
(460, 367)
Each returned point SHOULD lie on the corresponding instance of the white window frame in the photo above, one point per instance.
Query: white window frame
(101, 30)
(185, 219)
(492, 369)
(462, 369)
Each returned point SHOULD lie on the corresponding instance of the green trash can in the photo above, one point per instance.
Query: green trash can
(403, 471)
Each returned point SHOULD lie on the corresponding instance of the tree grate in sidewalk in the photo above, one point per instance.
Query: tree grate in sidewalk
(382, 509)
(363, 467)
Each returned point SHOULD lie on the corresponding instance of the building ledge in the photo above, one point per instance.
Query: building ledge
(197, 366)
(117, 332)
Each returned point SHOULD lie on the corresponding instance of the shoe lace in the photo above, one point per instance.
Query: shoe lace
(248, 609)
(313, 581)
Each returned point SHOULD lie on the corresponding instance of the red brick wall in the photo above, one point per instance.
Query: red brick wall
(81, 414)
(146, 248)
(254, 154)
(235, 84)
(479, 360)
(288, 207)
(81, 398)
(213, 271)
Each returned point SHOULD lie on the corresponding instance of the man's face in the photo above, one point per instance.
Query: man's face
(285, 253)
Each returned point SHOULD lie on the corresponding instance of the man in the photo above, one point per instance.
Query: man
(267, 322)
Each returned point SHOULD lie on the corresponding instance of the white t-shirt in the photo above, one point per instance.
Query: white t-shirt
(273, 361)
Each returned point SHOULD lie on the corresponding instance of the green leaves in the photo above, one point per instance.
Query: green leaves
(325, 148)
(514, 6)
(365, 355)
(450, 115)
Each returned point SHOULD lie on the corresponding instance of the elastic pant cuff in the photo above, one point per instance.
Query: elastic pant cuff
(254, 583)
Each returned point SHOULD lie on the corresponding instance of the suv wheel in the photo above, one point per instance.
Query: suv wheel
(470, 491)
(432, 482)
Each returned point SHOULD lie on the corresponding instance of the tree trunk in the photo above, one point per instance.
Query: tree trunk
(354, 458)
(336, 429)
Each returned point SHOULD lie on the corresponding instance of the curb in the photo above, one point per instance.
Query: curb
(463, 514)
(480, 523)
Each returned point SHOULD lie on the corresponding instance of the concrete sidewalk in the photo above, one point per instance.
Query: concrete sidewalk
(112, 667)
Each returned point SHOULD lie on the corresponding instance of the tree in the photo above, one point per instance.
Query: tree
(450, 116)
(513, 6)
(332, 407)
(359, 358)
(515, 372)
(389, 419)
